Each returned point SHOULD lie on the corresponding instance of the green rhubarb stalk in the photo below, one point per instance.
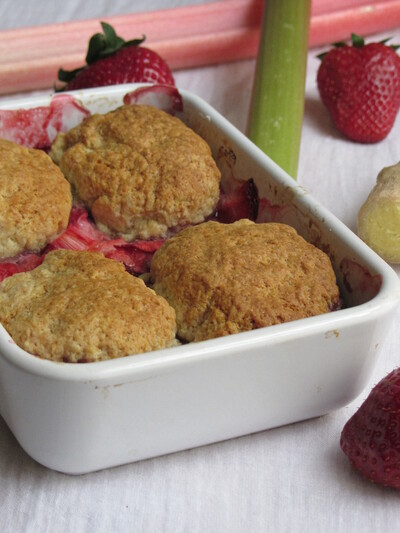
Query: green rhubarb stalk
(277, 103)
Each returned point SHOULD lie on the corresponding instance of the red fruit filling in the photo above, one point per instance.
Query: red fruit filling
(21, 263)
(242, 202)
(164, 97)
(37, 127)
(82, 234)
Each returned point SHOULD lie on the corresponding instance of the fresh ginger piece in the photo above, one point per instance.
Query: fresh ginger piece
(379, 217)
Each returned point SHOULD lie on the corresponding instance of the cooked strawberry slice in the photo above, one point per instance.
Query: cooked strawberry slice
(82, 234)
(135, 255)
(7, 269)
(164, 97)
(79, 235)
(148, 246)
(241, 202)
(361, 285)
(136, 261)
(38, 126)
(21, 263)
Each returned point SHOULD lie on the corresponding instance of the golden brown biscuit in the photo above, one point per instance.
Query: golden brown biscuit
(139, 170)
(35, 199)
(227, 278)
(82, 307)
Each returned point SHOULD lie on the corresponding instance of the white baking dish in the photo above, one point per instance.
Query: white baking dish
(81, 418)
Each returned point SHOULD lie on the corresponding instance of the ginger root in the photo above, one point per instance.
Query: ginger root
(379, 217)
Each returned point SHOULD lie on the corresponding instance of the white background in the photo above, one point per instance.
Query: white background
(290, 479)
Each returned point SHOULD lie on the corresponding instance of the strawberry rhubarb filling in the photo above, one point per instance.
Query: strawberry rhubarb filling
(82, 234)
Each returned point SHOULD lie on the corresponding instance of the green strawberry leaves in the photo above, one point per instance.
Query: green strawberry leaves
(101, 45)
(358, 42)
(107, 43)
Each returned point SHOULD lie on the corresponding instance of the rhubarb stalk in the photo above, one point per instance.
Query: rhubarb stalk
(277, 104)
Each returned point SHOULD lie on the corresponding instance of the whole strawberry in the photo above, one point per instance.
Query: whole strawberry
(371, 438)
(110, 61)
(360, 86)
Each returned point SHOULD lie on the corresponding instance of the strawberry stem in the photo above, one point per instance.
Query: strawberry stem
(357, 40)
(68, 75)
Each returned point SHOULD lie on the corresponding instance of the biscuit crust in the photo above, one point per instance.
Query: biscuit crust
(139, 170)
(228, 278)
(35, 199)
(82, 307)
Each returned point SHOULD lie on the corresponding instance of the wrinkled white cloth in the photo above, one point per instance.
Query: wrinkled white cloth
(290, 479)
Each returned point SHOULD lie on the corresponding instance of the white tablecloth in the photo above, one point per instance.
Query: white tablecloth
(290, 479)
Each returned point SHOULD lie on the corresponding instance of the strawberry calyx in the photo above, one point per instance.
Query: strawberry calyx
(101, 45)
(357, 42)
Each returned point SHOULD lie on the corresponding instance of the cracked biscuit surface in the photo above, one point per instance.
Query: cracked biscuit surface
(35, 199)
(228, 278)
(140, 171)
(82, 307)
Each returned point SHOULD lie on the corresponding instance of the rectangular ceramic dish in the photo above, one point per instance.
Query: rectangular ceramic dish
(81, 418)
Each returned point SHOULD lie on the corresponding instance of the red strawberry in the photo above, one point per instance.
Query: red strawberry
(371, 438)
(241, 202)
(110, 61)
(360, 86)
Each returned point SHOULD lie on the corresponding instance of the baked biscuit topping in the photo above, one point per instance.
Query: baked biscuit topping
(227, 278)
(139, 170)
(82, 307)
(35, 199)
